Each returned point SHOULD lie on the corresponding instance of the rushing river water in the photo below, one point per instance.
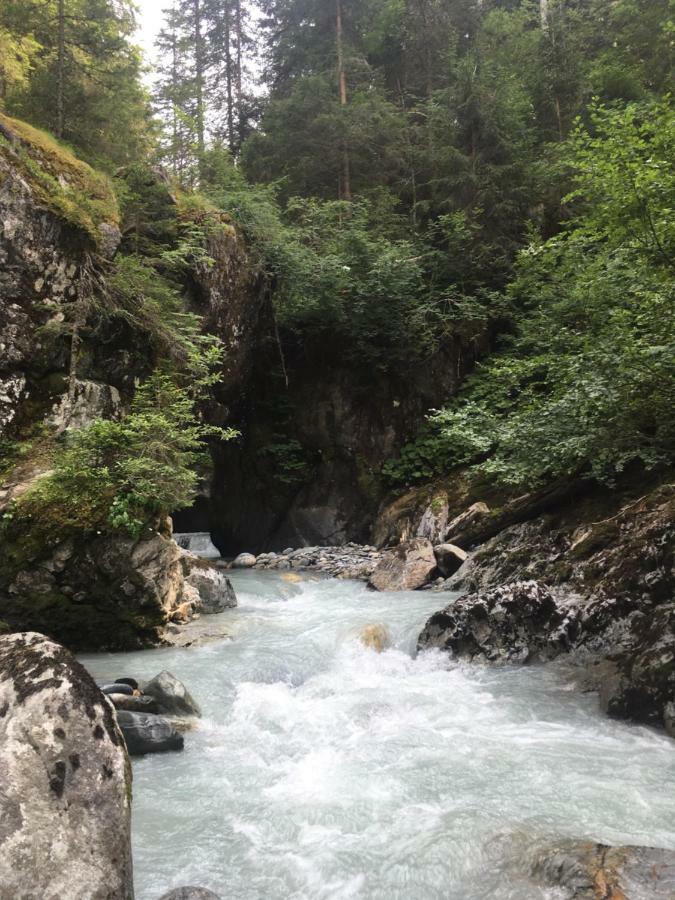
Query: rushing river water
(324, 770)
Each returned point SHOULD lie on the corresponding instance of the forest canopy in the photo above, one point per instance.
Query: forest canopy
(402, 167)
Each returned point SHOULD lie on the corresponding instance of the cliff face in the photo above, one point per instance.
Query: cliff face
(56, 217)
(64, 363)
(315, 433)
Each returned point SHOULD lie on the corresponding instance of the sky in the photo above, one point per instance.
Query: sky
(150, 21)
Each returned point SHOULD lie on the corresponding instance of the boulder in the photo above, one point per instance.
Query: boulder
(517, 623)
(214, 589)
(244, 561)
(145, 733)
(434, 520)
(65, 783)
(172, 696)
(643, 684)
(190, 893)
(590, 871)
(449, 558)
(407, 568)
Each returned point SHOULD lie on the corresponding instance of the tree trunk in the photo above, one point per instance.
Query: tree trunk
(346, 181)
(61, 70)
(229, 77)
(199, 77)
(543, 12)
(238, 76)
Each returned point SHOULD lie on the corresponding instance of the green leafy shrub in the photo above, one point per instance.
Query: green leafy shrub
(587, 384)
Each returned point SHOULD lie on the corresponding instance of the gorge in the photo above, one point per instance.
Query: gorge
(337, 388)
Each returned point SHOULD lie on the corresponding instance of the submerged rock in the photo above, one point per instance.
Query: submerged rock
(407, 568)
(591, 871)
(172, 697)
(134, 704)
(375, 637)
(145, 733)
(65, 787)
(519, 622)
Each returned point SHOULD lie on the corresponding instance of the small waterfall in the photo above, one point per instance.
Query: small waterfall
(199, 543)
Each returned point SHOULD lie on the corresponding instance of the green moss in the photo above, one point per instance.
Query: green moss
(66, 186)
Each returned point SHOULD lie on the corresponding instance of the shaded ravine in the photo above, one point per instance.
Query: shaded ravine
(324, 770)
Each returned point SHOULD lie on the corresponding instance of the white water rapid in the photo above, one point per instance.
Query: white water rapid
(324, 771)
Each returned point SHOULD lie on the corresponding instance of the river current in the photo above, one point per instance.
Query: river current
(325, 771)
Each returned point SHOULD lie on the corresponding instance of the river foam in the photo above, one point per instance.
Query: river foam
(325, 770)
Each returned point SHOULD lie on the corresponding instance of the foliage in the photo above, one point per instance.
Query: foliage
(587, 384)
(69, 187)
(130, 473)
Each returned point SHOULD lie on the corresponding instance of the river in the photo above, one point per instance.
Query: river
(324, 770)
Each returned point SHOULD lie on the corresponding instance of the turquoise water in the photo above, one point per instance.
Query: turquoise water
(324, 770)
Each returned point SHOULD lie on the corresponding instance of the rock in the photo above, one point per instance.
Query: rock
(198, 543)
(214, 589)
(110, 239)
(105, 592)
(90, 401)
(134, 704)
(643, 684)
(449, 558)
(406, 568)
(669, 719)
(591, 871)
(190, 893)
(434, 520)
(469, 517)
(145, 733)
(375, 637)
(244, 561)
(65, 789)
(519, 622)
(172, 696)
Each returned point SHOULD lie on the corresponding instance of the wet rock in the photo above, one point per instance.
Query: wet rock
(449, 558)
(214, 589)
(172, 696)
(517, 623)
(65, 789)
(134, 704)
(594, 871)
(669, 719)
(190, 893)
(375, 637)
(406, 568)
(145, 733)
(244, 561)
(643, 684)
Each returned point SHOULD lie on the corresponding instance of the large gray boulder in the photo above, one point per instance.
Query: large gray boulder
(145, 733)
(407, 568)
(173, 698)
(65, 780)
(517, 623)
(213, 587)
